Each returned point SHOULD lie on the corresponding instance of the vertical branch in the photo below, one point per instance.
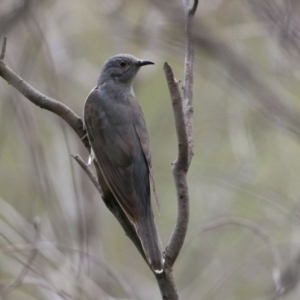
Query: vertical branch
(188, 73)
(183, 112)
(180, 168)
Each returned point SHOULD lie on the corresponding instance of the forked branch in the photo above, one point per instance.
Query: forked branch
(183, 112)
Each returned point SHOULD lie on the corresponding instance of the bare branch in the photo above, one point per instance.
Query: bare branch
(183, 112)
(188, 74)
(43, 101)
(180, 168)
(173, 84)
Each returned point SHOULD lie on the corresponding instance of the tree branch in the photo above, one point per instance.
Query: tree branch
(188, 73)
(43, 101)
(180, 168)
(89, 173)
(183, 112)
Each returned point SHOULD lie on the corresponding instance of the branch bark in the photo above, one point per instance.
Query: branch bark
(189, 74)
(45, 102)
(183, 111)
(180, 168)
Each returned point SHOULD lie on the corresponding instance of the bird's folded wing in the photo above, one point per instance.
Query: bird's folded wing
(111, 145)
(142, 133)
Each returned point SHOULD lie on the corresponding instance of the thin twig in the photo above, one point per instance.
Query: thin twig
(89, 172)
(2, 55)
(27, 266)
(188, 73)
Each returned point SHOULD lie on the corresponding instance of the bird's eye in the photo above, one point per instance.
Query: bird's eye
(123, 64)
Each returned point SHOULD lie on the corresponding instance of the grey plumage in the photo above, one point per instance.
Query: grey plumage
(117, 132)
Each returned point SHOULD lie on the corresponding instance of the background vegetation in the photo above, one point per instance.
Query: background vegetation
(246, 168)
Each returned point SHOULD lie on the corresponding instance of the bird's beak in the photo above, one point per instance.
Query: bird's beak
(144, 62)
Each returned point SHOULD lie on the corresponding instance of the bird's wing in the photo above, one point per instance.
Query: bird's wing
(112, 138)
(141, 130)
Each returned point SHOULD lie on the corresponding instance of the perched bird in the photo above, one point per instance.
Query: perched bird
(118, 136)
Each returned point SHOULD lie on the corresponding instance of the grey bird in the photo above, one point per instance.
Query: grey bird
(118, 136)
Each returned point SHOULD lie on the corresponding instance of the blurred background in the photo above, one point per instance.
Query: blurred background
(243, 240)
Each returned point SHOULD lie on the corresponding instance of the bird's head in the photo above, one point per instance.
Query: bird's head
(122, 68)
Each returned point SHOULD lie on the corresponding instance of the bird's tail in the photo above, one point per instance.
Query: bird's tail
(148, 234)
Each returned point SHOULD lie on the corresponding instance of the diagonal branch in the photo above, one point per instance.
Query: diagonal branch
(43, 101)
(89, 172)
